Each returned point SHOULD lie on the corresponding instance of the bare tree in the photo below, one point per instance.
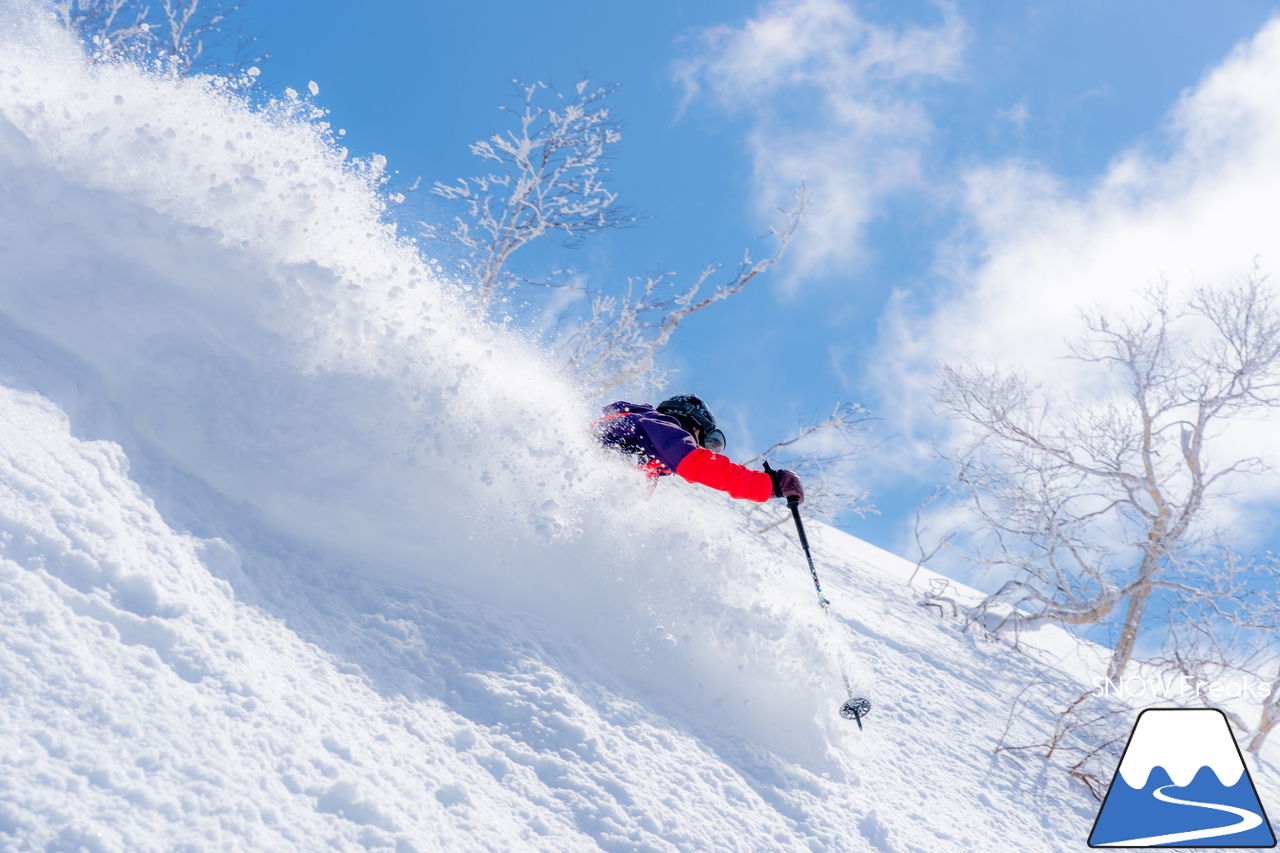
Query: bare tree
(184, 35)
(1089, 500)
(110, 26)
(549, 182)
(189, 31)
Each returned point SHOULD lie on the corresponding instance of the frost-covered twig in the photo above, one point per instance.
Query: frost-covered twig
(184, 35)
(618, 343)
(926, 556)
(819, 453)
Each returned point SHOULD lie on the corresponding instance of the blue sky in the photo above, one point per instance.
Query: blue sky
(715, 126)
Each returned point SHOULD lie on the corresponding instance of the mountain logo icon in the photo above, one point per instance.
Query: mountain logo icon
(1182, 783)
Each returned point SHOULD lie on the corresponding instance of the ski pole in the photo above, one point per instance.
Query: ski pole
(854, 709)
(793, 504)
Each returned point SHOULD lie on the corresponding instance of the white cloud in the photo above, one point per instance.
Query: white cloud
(832, 99)
(1196, 212)
(1196, 215)
(1017, 115)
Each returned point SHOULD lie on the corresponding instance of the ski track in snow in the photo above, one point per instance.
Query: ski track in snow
(287, 562)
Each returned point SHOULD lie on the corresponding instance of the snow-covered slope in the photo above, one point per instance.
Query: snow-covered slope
(294, 556)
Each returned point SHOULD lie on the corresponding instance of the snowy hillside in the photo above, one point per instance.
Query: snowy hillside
(294, 556)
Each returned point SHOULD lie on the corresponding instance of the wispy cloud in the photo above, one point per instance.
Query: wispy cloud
(1017, 115)
(833, 98)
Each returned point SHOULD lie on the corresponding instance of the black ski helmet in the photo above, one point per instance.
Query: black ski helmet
(690, 410)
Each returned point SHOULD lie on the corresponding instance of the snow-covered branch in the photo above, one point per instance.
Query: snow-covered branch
(617, 344)
(184, 35)
(549, 180)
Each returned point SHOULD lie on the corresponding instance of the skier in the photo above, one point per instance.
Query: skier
(680, 437)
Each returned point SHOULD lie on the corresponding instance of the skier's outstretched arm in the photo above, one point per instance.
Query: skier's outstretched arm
(711, 469)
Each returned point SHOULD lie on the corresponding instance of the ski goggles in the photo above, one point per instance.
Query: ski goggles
(714, 441)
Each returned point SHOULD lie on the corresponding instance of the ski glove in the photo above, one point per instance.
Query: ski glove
(785, 484)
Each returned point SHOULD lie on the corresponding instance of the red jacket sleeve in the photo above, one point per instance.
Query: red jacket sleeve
(703, 466)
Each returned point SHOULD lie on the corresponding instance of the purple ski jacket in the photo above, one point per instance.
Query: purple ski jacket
(661, 446)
